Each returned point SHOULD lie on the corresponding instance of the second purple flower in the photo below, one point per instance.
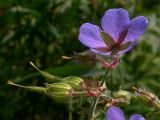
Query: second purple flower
(115, 113)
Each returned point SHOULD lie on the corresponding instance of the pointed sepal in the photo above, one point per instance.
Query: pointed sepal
(49, 77)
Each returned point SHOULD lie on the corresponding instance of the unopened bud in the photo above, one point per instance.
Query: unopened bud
(60, 92)
(49, 77)
(124, 97)
(31, 88)
(87, 57)
(147, 97)
(74, 82)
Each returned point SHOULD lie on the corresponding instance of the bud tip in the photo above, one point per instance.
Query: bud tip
(33, 65)
(66, 58)
(10, 83)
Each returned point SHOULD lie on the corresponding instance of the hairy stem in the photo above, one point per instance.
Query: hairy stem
(96, 99)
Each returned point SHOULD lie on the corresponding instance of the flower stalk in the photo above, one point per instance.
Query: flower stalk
(96, 99)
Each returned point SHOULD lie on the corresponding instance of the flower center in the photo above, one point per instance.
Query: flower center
(113, 46)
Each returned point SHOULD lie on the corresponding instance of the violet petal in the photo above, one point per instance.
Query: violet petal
(99, 52)
(114, 22)
(89, 35)
(136, 117)
(114, 113)
(136, 29)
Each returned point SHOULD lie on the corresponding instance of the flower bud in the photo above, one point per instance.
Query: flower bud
(85, 56)
(60, 92)
(48, 76)
(74, 82)
(87, 59)
(123, 96)
(147, 97)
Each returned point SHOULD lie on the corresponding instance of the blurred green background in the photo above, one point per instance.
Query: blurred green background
(43, 31)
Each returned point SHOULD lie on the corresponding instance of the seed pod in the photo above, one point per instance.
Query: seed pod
(60, 92)
(74, 82)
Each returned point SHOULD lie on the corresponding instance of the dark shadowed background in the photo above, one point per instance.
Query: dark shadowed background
(43, 31)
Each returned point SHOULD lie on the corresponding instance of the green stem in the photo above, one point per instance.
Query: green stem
(96, 99)
(104, 78)
(70, 109)
(77, 93)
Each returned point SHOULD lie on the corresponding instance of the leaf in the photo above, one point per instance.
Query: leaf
(67, 70)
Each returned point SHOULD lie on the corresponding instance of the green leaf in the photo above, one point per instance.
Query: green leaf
(66, 70)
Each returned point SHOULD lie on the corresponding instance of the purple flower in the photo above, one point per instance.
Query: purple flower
(118, 34)
(115, 113)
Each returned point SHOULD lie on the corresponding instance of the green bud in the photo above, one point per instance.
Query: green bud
(74, 82)
(60, 92)
(144, 99)
(123, 95)
(48, 76)
(31, 88)
(59, 87)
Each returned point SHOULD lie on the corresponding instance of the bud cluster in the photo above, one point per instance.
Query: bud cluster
(62, 89)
